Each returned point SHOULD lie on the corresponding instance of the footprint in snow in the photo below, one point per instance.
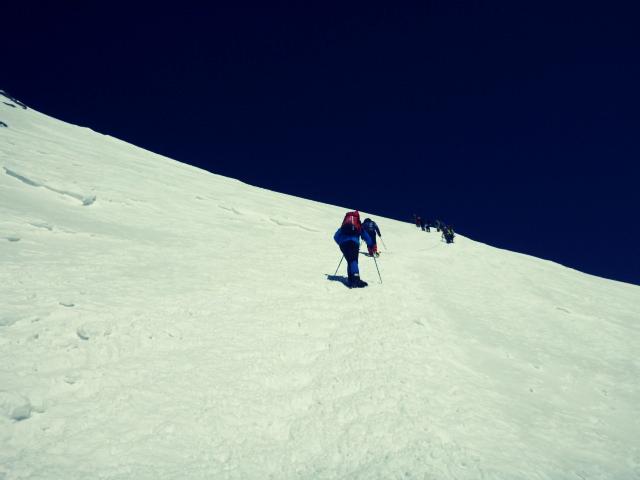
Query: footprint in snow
(288, 223)
(231, 209)
(93, 330)
(43, 225)
(14, 406)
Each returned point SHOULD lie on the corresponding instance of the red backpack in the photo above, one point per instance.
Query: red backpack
(351, 224)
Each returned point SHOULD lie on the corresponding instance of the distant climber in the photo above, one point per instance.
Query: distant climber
(372, 229)
(348, 239)
(448, 234)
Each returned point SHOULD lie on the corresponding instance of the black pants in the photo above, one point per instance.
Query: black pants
(350, 250)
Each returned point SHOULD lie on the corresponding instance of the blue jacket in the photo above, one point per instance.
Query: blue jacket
(371, 227)
(341, 238)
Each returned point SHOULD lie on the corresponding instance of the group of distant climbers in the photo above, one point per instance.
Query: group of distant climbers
(426, 225)
(352, 231)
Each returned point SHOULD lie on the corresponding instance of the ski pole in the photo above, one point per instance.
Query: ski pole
(385, 245)
(376, 262)
(341, 258)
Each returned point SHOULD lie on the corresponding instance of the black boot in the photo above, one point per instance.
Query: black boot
(355, 282)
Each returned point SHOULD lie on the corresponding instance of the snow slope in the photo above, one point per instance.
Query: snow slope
(161, 322)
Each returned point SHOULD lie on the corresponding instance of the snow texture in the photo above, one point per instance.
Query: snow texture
(161, 322)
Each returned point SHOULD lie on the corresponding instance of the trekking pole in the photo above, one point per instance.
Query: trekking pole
(376, 262)
(341, 258)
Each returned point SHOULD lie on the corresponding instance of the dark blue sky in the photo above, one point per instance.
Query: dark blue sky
(517, 123)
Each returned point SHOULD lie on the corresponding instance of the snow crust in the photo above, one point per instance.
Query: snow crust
(161, 322)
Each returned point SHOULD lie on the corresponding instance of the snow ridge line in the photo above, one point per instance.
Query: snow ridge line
(13, 99)
(85, 199)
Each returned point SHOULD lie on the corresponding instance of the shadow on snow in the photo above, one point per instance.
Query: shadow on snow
(338, 278)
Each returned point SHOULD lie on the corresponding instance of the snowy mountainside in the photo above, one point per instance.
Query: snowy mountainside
(160, 321)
